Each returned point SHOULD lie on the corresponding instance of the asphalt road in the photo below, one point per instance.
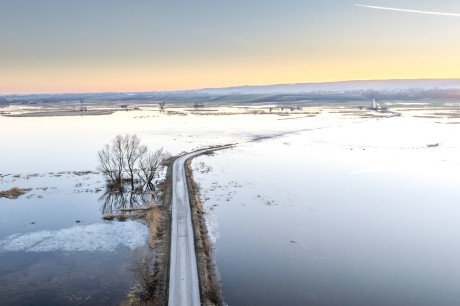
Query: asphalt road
(183, 275)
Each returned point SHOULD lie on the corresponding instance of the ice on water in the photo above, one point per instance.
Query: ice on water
(92, 238)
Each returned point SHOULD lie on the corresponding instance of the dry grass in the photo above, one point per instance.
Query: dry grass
(122, 217)
(14, 193)
(109, 217)
(145, 264)
(143, 267)
(157, 279)
(210, 288)
(83, 173)
(154, 218)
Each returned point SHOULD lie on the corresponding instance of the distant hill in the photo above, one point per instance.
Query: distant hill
(410, 90)
(344, 86)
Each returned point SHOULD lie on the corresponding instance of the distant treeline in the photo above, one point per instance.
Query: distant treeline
(197, 97)
(413, 94)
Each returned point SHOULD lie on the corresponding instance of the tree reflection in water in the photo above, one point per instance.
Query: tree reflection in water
(117, 202)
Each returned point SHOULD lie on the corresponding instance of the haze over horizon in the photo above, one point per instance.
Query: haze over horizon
(51, 46)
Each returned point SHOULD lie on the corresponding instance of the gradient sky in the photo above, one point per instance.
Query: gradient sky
(148, 45)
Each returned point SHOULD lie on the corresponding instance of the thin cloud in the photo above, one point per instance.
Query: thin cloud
(408, 11)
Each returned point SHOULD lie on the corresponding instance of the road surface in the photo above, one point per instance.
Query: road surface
(183, 276)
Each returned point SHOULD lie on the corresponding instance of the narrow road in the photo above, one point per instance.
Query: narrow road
(183, 276)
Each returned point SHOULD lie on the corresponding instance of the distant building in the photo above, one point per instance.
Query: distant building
(375, 105)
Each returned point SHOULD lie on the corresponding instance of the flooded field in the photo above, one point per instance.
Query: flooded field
(54, 247)
(365, 213)
(328, 206)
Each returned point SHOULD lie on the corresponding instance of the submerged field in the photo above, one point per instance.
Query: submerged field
(359, 214)
(328, 205)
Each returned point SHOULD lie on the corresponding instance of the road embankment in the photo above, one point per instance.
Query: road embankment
(210, 287)
(157, 293)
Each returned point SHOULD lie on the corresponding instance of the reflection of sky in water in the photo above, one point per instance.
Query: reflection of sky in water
(364, 214)
(49, 258)
(56, 201)
(64, 278)
(358, 212)
(71, 143)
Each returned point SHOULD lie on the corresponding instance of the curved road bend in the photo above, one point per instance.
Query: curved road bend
(184, 288)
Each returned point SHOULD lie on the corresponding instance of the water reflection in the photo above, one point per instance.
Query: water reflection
(57, 261)
(124, 202)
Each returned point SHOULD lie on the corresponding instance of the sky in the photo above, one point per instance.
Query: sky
(147, 45)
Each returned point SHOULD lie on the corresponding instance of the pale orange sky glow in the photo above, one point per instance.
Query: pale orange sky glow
(56, 47)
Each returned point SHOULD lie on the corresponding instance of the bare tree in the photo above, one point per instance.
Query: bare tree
(162, 105)
(149, 166)
(126, 157)
(133, 152)
(111, 161)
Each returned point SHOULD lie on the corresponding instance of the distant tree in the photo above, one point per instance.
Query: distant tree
(162, 105)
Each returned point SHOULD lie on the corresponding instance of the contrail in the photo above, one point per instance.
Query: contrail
(408, 11)
(255, 57)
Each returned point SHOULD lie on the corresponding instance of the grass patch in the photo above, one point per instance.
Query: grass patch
(143, 268)
(109, 217)
(154, 219)
(122, 217)
(14, 193)
(156, 281)
(210, 287)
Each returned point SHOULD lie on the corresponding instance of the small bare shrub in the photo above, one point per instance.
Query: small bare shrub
(143, 268)
(109, 217)
(122, 217)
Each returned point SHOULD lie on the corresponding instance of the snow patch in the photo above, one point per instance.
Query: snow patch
(213, 227)
(91, 238)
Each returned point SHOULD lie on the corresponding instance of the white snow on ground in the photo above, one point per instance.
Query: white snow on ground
(91, 238)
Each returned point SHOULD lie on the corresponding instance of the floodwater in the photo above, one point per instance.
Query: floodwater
(47, 257)
(366, 213)
(55, 249)
(322, 210)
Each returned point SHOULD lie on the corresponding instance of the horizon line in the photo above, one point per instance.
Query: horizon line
(225, 87)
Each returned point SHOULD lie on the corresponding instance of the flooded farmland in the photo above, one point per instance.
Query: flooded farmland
(326, 209)
(365, 213)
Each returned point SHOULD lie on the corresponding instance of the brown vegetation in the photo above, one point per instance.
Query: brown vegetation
(153, 280)
(159, 222)
(14, 193)
(210, 289)
(83, 173)
(122, 217)
(108, 217)
(154, 219)
(143, 268)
